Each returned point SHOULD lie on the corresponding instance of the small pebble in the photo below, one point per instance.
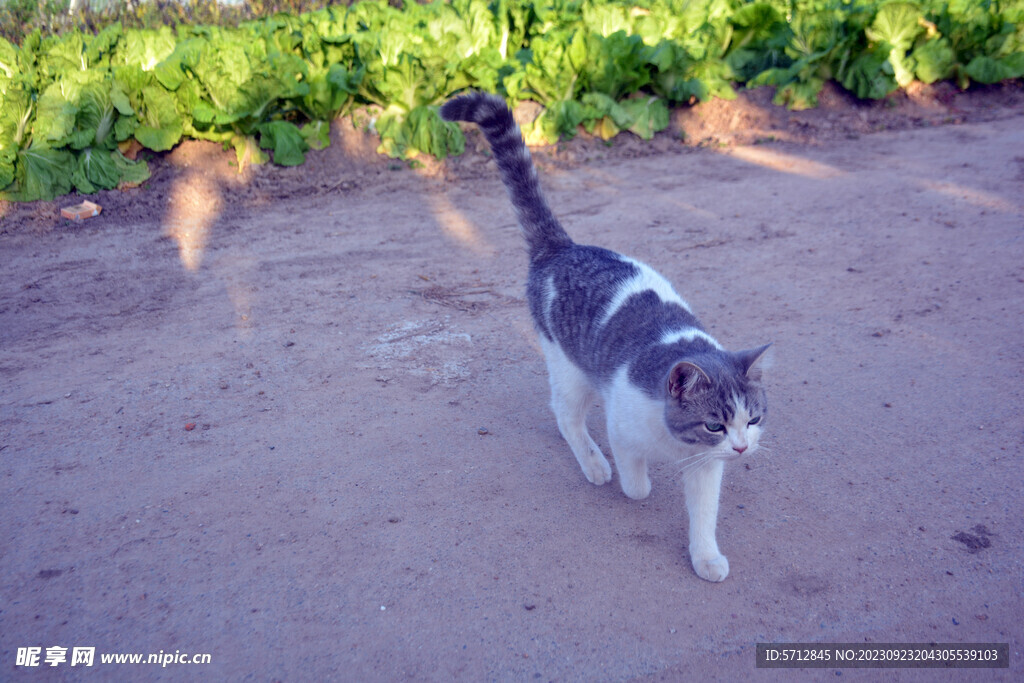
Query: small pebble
(482, 431)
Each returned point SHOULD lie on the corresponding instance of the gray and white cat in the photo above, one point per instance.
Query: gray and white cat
(611, 326)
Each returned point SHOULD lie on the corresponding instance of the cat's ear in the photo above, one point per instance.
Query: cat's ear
(685, 377)
(754, 361)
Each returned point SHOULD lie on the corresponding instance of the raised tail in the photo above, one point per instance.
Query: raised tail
(544, 234)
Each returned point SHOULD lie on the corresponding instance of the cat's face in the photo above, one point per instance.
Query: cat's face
(717, 404)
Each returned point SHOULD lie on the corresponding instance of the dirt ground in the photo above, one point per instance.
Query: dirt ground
(297, 418)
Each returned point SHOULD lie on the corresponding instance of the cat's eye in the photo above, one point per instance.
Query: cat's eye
(754, 421)
(714, 426)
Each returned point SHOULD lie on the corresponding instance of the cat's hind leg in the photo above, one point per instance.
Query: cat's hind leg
(571, 397)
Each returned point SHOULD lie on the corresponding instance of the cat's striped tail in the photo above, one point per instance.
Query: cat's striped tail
(544, 234)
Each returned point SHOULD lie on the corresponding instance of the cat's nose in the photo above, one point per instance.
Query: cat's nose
(739, 449)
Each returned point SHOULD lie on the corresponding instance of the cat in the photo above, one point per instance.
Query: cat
(611, 326)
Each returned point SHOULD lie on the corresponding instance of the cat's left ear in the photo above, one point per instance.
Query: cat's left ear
(753, 361)
(685, 377)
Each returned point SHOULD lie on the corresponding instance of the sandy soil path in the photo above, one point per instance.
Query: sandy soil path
(312, 439)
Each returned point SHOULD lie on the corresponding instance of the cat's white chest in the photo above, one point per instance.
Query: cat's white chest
(642, 418)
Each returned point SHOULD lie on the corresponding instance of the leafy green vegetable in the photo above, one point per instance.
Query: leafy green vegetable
(42, 173)
(933, 60)
(95, 171)
(897, 25)
(286, 140)
(406, 135)
(607, 66)
(160, 126)
(606, 118)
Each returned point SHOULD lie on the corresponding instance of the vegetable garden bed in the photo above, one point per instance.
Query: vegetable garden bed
(74, 104)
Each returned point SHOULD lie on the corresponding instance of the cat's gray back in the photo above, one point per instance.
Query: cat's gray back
(598, 307)
(603, 309)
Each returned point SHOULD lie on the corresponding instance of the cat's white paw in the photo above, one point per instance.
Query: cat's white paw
(711, 568)
(596, 469)
(636, 487)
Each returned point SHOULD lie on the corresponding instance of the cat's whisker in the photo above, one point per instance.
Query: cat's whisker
(764, 456)
(694, 465)
(697, 466)
(688, 458)
(682, 468)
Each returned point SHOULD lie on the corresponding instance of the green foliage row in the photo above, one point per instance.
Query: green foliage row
(19, 18)
(71, 102)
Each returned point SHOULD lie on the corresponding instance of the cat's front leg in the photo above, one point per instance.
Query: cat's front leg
(702, 489)
(630, 461)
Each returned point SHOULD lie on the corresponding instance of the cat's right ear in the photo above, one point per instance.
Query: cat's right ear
(685, 377)
(754, 360)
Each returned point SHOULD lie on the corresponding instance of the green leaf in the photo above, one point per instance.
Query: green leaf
(605, 117)
(15, 117)
(799, 94)
(135, 172)
(41, 173)
(160, 126)
(602, 115)
(759, 40)
(712, 79)
(934, 60)
(247, 151)
(173, 69)
(648, 115)
(317, 134)
(615, 65)
(422, 130)
(99, 50)
(871, 76)
(897, 25)
(62, 54)
(287, 142)
(987, 70)
(331, 90)
(55, 120)
(7, 158)
(145, 48)
(224, 69)
(559, 120)
(95, 170)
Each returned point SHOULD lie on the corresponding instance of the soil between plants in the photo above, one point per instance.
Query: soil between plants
(297, 418)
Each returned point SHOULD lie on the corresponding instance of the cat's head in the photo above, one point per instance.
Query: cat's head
(715, 401)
